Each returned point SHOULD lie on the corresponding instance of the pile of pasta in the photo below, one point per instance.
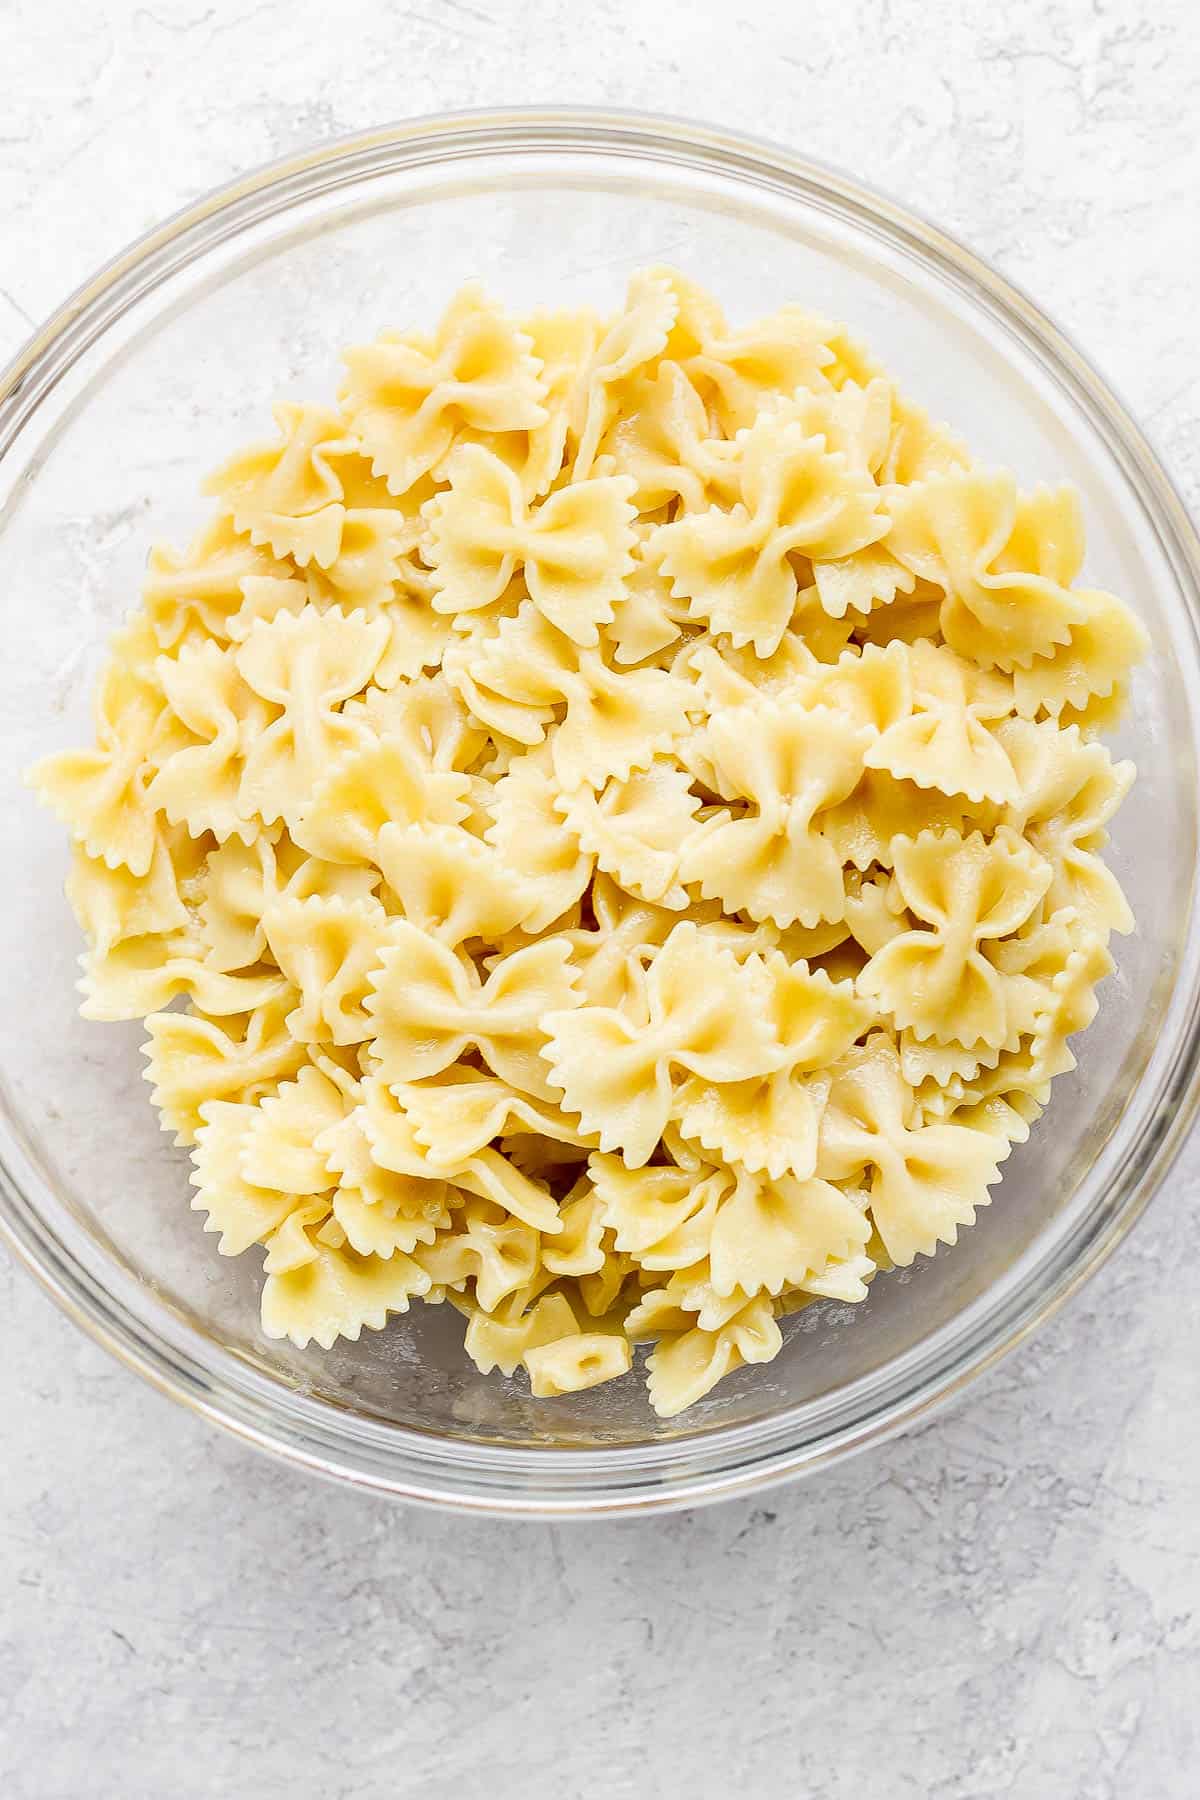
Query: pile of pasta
(621, 800)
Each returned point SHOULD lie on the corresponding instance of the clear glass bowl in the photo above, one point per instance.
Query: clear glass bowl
(172, 356)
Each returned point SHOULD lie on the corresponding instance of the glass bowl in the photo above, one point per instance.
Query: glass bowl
(171, 357)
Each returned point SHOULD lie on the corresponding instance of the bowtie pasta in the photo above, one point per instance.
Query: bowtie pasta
(623, 803)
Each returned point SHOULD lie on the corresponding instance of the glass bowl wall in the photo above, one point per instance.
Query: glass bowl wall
(171, 358)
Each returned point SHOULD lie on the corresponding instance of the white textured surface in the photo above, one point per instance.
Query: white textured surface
(1001, 1604)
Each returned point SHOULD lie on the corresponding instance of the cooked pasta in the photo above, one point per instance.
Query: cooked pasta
(621, 802)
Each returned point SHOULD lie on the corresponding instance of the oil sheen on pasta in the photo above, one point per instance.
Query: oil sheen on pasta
(622, 798)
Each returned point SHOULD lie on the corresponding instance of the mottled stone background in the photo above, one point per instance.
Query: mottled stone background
(1002, 1604)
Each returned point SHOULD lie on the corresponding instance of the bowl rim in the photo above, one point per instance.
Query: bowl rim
(559, 1481)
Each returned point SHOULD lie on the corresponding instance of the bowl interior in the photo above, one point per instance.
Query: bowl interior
(110, 459)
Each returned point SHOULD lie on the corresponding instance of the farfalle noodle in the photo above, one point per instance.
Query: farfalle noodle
(572, 549)
(796, 499)
(696, 1010)
(964, 894)
(303, 666)
(788, 764)
(409, 397)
